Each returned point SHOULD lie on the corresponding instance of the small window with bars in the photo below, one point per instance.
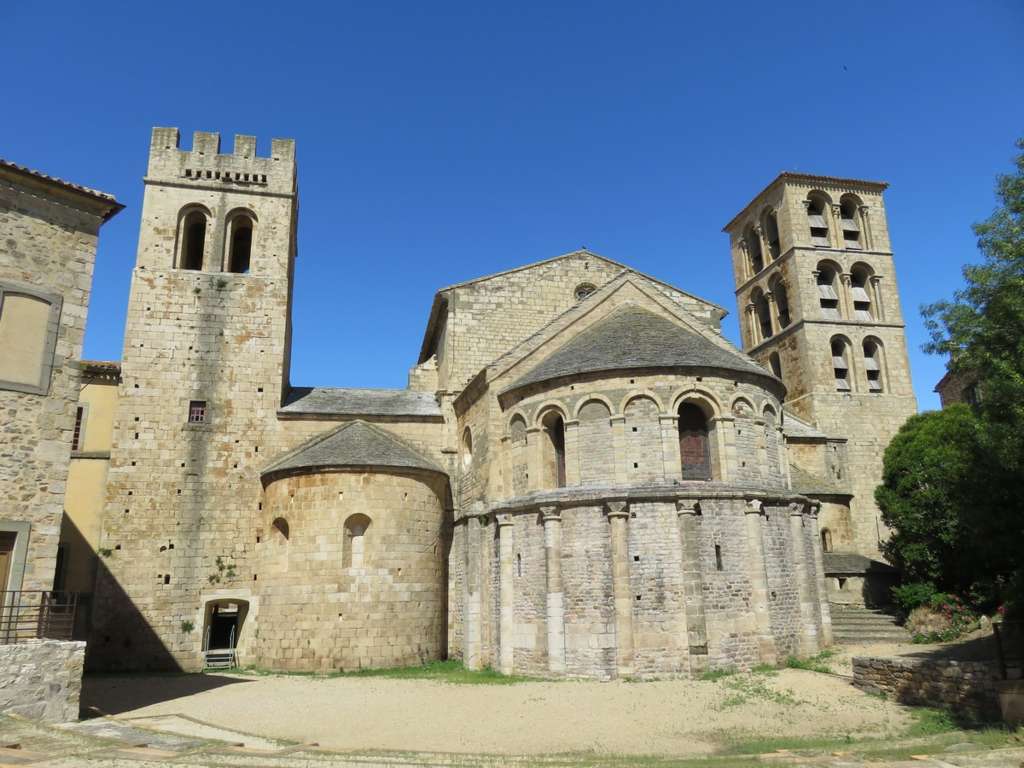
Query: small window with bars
(78, 436)
(197, 411)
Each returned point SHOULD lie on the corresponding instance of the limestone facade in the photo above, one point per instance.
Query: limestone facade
(48, 235)
(583, 477)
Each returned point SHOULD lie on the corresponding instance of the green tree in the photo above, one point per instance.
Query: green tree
(982, 331)
(930, 484)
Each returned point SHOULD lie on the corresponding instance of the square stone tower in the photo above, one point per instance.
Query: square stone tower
(818, 303)
(204, 370)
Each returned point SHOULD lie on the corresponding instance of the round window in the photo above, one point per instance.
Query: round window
(583, 290)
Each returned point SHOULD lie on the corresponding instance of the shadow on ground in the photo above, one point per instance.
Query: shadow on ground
(114, 694)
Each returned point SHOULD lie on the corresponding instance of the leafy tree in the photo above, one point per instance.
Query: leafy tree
(982, 331)
(930, 483)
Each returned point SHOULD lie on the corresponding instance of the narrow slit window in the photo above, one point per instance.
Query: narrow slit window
(77, 436)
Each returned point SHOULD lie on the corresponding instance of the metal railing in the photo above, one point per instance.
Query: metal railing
(31, 615)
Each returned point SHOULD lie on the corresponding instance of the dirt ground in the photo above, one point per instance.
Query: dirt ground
(663, 718)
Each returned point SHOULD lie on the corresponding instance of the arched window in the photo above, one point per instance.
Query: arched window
(239, 243)
(467, 447)
(554, 450)
(860, 289)
(849, 221)
(775, 364)
(828, 297)
(781, 296)
(873, 365)
(281, 531)
(826, 540)
(817, 221)
(354, 546)
(770, 225)
(192, 240)
(762, 313)
(841, 364)
(694, 443)
(583, 290)
(754, 251)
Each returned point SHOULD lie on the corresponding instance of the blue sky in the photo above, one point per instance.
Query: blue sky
(441, 141)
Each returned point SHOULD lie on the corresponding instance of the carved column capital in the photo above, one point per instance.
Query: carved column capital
(550, 512)
(755, 507)
(796, 509)
(503, 519)
(688, 507)
(619, 508)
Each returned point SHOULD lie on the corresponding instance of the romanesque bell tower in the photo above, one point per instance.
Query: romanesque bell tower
(204, 370)
(818, 303)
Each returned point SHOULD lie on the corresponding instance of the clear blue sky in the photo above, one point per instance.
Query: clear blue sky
(441, 141)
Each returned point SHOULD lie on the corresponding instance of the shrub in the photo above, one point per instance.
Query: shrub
(910, 596)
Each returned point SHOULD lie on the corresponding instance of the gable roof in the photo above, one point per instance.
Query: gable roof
(813, 485)
(353, 444)
(634, 337)
(354, 401)
(106, 202)
(440, 300)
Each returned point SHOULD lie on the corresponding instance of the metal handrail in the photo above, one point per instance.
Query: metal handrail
(34, 614)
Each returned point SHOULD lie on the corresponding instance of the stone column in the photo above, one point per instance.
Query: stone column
(753, 327)
(876, 298)
(780, 442)
(809, 617)
(819, 576)
(507, 490)
(766, 253)
(673, 461)
(867, 238)
(773, 313)
(572, 452)
(618, 423)
(507, 593)
(534, 458)
(834, 211)
(555, 597)
(759, 582)
(845, 300)
(618, 515)
(693, 586)
(472, 621)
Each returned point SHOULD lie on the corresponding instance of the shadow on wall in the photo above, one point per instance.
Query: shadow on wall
(114, 694)
(121, 639)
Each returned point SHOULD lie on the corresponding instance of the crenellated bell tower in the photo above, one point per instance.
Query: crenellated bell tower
(204, 370)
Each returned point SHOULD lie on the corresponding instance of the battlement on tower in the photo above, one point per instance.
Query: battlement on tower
(205, 167)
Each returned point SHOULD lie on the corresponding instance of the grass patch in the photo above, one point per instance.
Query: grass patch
(438, 671)
(745, 689)
(712, 675)
(930, 722)
(816, 663)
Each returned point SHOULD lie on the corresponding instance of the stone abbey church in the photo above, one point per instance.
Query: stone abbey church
(582, 478)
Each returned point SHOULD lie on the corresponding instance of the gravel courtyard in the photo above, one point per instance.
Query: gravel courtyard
(371, 713)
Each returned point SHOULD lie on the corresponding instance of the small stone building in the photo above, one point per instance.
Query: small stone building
(583, 477)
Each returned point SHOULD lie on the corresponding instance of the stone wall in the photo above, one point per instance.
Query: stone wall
(968, 688)
(42, 679)
(48, 248)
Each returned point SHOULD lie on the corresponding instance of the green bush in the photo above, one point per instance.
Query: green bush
(910, 596)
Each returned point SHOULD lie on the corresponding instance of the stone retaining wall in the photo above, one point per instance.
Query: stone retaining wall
(42, 679)
(968, 688)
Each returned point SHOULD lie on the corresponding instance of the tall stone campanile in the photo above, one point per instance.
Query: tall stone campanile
(204, 369)
(819, 305)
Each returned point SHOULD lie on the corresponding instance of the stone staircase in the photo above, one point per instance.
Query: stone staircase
(856, 625)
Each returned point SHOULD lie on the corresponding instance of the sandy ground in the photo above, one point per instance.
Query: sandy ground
(666, 718)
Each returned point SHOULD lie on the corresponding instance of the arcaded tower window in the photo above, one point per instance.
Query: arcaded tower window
(817, 210)
(873, 365)
(827, 276)
(860, 287)
(841, 364)
(848, 220)
(281, 532)
(770, 225)
(192, 240)
(694, 443)
(775, 364)
(239, 239)
(762, 313)
(781, 296)
(754, 251)
(583, 290)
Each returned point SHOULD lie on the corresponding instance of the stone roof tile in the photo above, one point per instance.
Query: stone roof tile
(350, 401)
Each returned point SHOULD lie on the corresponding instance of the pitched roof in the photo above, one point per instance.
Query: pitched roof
(813, 485)
(101, 197)
(350, 401)
(793, 426)
(840, 562)
(633, 337)
(353, 444)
